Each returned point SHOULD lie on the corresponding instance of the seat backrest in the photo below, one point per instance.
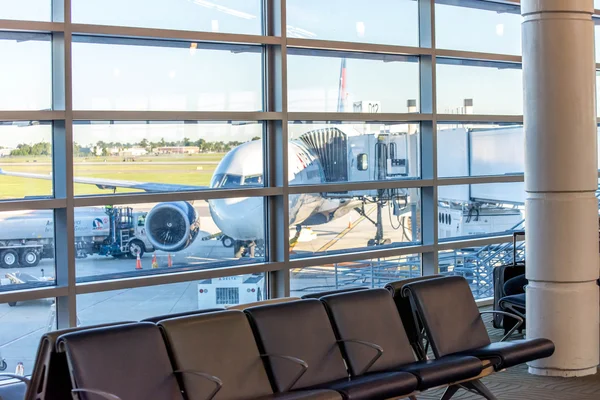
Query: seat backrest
(51, 379)
(263, 302)
(298, 329)
(130, 361)
(318, 295)
(369, 316)
(449, 313)
(158, 318)
(220, 344)
(411, 326)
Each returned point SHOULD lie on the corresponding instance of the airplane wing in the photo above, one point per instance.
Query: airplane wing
(112, 184)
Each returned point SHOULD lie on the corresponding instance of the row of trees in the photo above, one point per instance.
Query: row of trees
(38, 149)
(103, 148)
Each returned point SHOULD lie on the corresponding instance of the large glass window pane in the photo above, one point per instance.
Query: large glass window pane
(333, 223)
(25, 71)
(476, 264)
(230, 16)
(129, 74)
(497, 26)
(25, 148)
(382, 21)
(485, 209)
(477, 149)
(26, 249)
(157, 156)
(26, 10)
(478, 87)
(372, 273)
(23, 325)
(328, 152)
(134, 305)
(168, 237)
(597, 38)
(370, 83)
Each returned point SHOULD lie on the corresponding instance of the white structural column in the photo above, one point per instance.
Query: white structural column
(561, 179)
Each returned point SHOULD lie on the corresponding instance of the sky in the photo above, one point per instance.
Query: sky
(136, 76)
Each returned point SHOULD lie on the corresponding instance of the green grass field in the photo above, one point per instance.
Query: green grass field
(184, 169)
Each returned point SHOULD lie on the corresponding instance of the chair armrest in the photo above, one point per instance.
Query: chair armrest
(295, 360)
(368, 344)
(218, 383)
(514, 328)
(101, 393)
(15, 376)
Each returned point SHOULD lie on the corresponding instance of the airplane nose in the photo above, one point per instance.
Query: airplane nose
(239, 218)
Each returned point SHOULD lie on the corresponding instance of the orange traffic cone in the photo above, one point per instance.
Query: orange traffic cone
(169, 261)
(154, 262)
(138, 263)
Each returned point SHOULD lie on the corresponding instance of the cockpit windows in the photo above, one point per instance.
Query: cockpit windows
(229, 181)
(254, 180)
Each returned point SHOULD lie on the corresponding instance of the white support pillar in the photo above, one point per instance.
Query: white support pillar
(560, 179)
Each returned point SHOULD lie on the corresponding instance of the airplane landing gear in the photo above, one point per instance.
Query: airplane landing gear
(249, 248)
(378, 240)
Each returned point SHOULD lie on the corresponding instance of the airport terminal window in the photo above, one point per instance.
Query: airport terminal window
(373, 273)
(25, 72)
(136, 74)
(498, 26)
(328, 152)
(486, 209)
(159, 156)
(227, 16)
(26, 10)
(168, 237)
(23, 324)
(476, 264)
(480, 149)
(335, 223)
(369, 83)
(160, 116)
(26, 249)
(597, 37)
(25, 148)
(479, 87)
(139, 303)
(381, 21)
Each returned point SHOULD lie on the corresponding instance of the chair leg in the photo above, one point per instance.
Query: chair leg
(480, 388)
(450, 391)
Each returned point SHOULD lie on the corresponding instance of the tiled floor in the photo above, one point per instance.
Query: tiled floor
(515, 384)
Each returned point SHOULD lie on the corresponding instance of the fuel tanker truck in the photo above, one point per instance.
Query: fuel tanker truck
(26, 237)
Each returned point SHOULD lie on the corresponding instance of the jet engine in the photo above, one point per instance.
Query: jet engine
(172, 226)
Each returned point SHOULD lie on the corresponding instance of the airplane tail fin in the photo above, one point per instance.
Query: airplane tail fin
(342, 94)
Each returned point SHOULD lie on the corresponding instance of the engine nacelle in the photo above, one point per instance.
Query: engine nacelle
(172, 226)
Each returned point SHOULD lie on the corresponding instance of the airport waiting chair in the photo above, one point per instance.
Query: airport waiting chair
(278, 300)
(372, 337)
(412, 326)
(124, 362)
(222, 344)
(50, 379)
(514, 299)
(158, 318)
(454, 326)
(318, 295)
(302, 329)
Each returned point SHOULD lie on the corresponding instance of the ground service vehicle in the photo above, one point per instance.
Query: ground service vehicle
(28, 236)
